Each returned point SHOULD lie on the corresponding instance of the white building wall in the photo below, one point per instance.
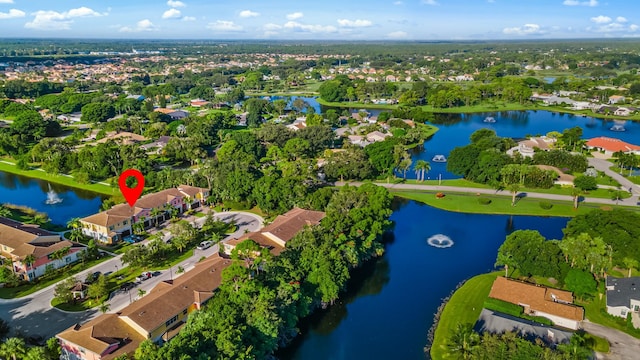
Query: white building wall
(560, 321)
(618, 311)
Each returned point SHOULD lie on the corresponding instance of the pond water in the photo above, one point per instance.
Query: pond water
(20, 190)
(389, 307)
(455, 130)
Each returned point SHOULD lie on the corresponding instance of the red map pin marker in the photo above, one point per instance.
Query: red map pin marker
(131, 194)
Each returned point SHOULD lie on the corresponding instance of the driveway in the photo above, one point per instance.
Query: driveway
(33, 314)
(623, 346)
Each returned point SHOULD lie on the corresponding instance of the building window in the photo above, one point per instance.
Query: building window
(184, 312)
(623, 312)
(171, 321)
(68, 259)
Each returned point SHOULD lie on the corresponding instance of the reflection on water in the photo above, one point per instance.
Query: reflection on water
(20, 190)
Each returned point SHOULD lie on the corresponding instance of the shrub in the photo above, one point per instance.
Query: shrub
(546, 205)
(440, 195)
(484, 201)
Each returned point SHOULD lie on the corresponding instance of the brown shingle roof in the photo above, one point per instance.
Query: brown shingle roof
(14, 233)
(538, 298)
(102, 332)
(167, 300)
(40, 251)
(286, 226)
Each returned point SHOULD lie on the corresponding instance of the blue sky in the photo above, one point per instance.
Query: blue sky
(326, 19)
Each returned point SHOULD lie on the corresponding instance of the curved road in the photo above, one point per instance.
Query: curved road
(33, 314)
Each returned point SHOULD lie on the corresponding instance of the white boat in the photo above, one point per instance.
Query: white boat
(489, 119)
(617, 127)
(439, 158)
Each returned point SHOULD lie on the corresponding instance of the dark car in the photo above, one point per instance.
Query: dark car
(127, 286)
(35, 340)
(93, 277)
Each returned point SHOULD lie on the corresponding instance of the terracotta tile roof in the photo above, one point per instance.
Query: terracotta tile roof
(169, 299)
(192, 191)
(538, 298)
(611, 144)
(102, 332)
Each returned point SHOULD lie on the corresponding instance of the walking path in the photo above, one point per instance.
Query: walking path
(34, 315)
(632, 201)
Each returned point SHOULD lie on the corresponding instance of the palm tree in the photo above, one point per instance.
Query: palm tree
(421, 167)
(464, 341)
(104, 307)
(180, 243)
(514, 188)
(39, 219)
(575, 192)
(74, 223)
(13, 348)
(29, 260)
(630, 264)
(141, 292)
(156, 212)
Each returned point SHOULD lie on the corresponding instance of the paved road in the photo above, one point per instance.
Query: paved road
(632, 201)
(33, 314)
(623, 346)
(604, 165)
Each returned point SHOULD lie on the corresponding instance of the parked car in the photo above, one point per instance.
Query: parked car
(93, 277)
(144, 276)
(127, 286)
(132, 239)
(204, 245)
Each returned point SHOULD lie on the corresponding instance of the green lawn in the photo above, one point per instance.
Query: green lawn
(59, 179)
(77, 307)
(30, 288)
(463, 307)
(596, 311)
(468, 203)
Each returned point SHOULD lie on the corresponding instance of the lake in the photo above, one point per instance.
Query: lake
(20, 190)
(455, 130)
(390, 304)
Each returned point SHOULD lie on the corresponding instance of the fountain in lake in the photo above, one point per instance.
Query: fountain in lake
(52, 197)
(440, 241)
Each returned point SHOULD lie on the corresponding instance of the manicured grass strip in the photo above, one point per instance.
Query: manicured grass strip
(58, 179)
(513, 310)
(464, 307)
(597, 343)
(30, 288)
(468, 203)
(596, 311)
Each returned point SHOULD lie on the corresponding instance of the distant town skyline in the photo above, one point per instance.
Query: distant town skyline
(321, 20)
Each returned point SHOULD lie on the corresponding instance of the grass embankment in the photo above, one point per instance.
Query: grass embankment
(469, 203)
(357, 105)
(30, 288)
(59, 179)
(464, 307)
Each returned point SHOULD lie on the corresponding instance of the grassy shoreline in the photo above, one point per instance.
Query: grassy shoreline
(500, 205)
(58, 179)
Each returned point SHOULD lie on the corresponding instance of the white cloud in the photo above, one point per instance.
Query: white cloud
(6, 1)
(295, 15)
(601, 19)
(430, 2)
(12, 14)
(582, 3)
(175, 4)
(172, 14)
(293, 25)
(248, 13)
(224, 26)
(141, 26)
(527, 29)
(621, 19)
(354, 23)
(272, 27)
(188, 18)
(398, 3)
(53, 20)
(397, 35)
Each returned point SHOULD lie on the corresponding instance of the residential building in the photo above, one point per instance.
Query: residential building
(33, 251)
(623, 296)
(614, 99)
(283, 228)
(158, 316)
(157, 145)
(172, 113)
(113, 225)
(611, 145)
(553, 304)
